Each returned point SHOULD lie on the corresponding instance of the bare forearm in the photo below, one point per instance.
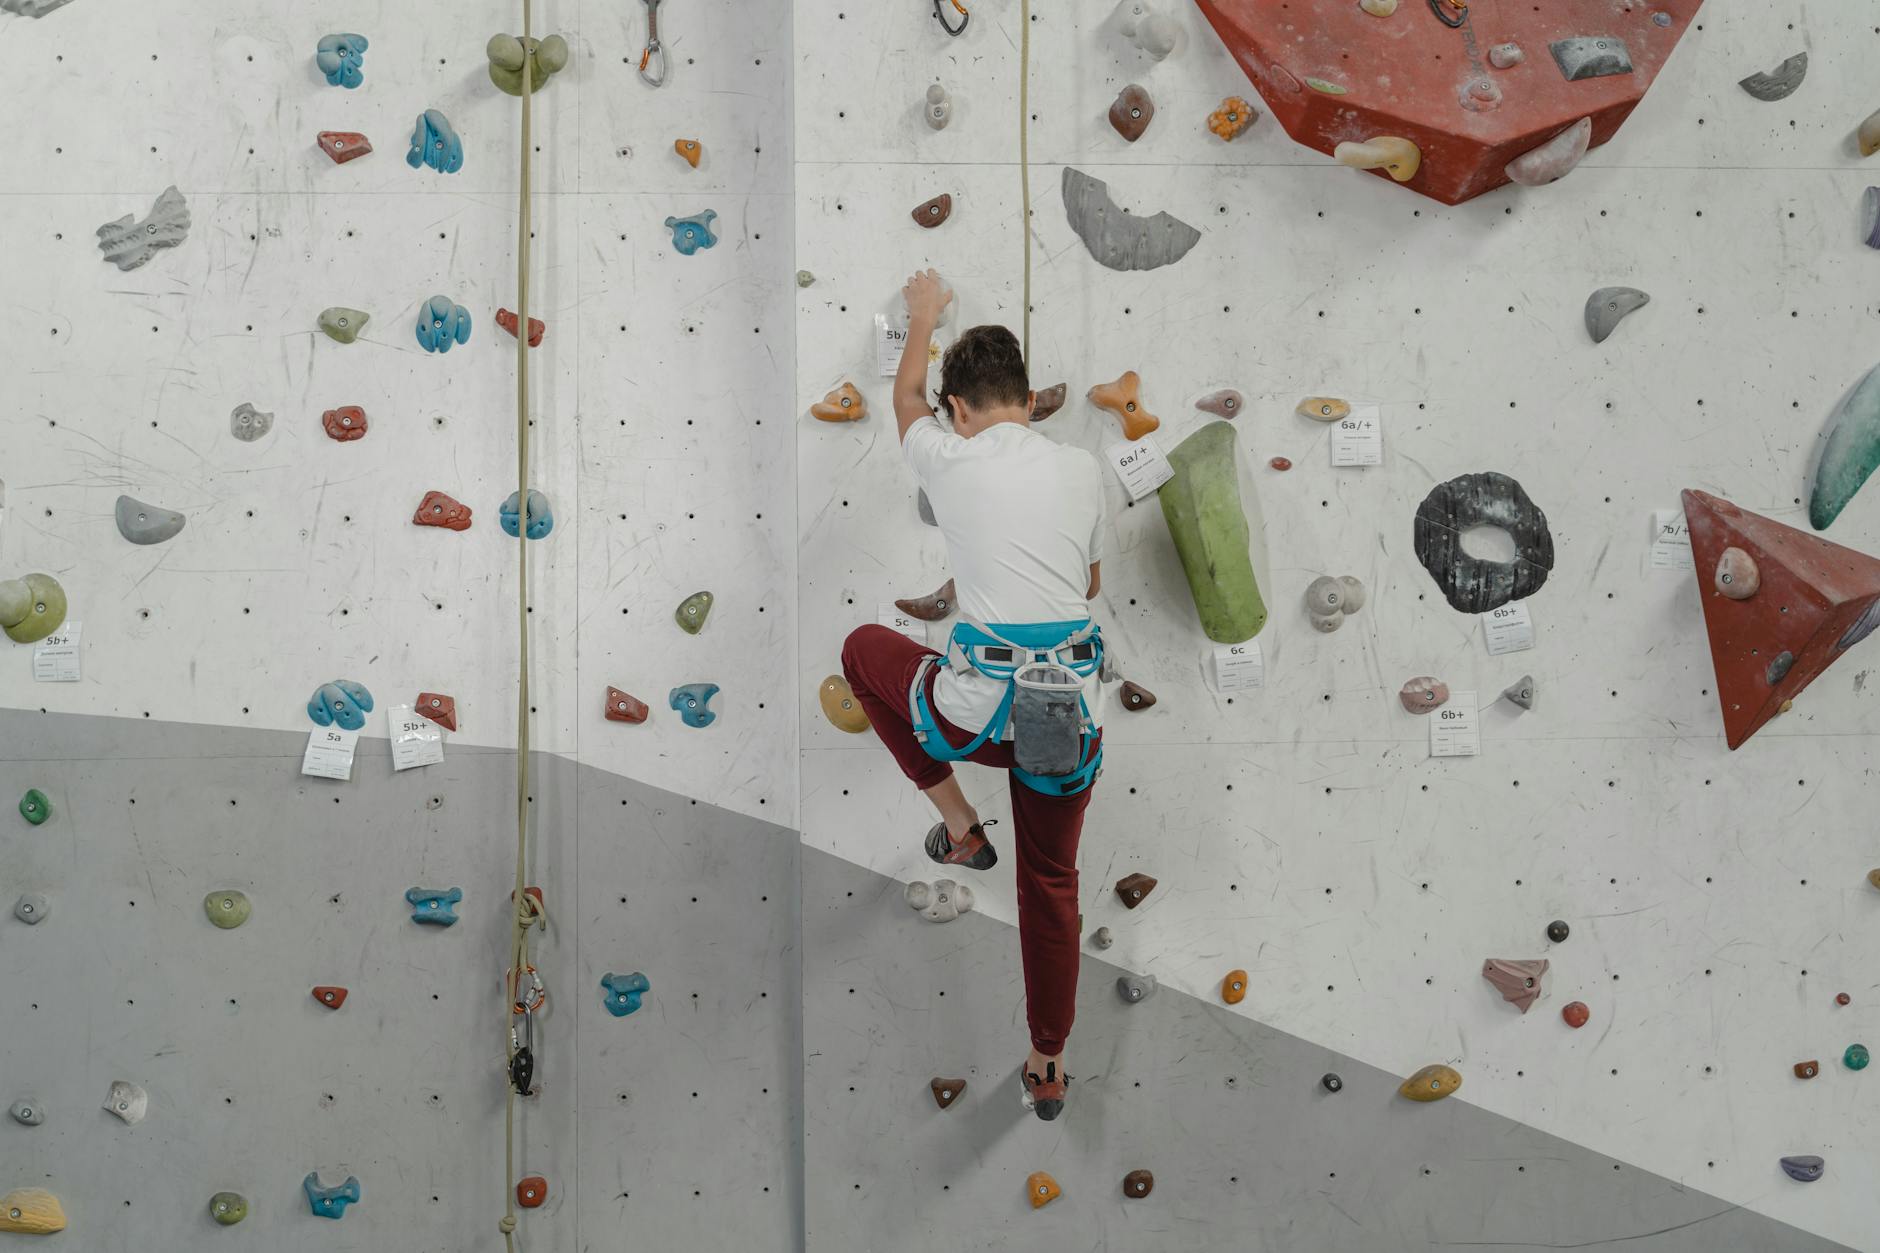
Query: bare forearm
(910, 381)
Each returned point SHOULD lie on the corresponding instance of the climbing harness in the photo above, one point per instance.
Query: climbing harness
(653, 52)
(939, 15)
(1056, 747)
(1451, 13)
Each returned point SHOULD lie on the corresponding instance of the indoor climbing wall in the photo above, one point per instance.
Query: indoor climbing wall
(1305, 830)
(188, 360)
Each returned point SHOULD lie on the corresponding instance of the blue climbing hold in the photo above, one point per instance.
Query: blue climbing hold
(434, 907)
(691, 234)
(691, 701)
(435, 144)
(441, 323)
(330, 1202)
(342, 701)
(340, 58)
(541, 517)
(621, 993)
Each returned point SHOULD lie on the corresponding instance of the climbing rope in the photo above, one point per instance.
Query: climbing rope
(528, 911)
(1024, 159)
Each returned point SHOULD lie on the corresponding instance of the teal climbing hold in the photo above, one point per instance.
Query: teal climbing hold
(1849, 454)
(691, 700)
(693, 233)
(1856, 1057)
(621, 994)
(330, 1202)
(441, 323)
(434, 907)
(34, 807)
(541, 519)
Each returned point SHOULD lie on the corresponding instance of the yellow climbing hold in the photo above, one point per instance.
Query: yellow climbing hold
(31, 1212)
(1378, 8)
(1396, 156)
(840, 706)
(1042, 1189)
(1432, 1083)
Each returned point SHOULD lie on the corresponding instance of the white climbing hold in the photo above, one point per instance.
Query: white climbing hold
(939, 107)
(941, 901)
(1553, 160)
(127, 1101)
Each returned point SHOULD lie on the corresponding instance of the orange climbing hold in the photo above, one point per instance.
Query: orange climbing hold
(332, 998)
(1232, 119)
(537, 327)
(690, 149)
(531, 1191)
(344, 146)
(1432, 1083)
(844, 404)
(624, 708)
(439, 708)
(345, 424)
(1042, 1189)
(1124, 399)
(1234, 987)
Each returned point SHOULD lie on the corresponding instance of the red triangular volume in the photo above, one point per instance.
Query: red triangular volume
(1811, 601)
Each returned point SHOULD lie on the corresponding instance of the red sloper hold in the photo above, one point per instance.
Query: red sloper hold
(537, 328)
(439, 708)
(1412, 76)
(624, 708)
(344, 146)
(1816, 600)
(437, 509)
(332, 998)
(345, 424)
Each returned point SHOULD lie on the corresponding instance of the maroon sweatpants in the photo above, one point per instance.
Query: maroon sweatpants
(879, 664)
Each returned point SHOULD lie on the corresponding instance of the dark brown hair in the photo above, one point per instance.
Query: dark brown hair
(983, 367)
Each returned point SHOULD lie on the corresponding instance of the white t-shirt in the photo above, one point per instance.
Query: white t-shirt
(1023, 521)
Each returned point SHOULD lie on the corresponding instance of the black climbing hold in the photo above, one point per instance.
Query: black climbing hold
(1331, 1082)
(1475, 584)
(1557, 931)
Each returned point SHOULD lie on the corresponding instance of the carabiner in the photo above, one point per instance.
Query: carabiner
(940, 17)
(653, 52)
(1441, 9)
(526, 1000)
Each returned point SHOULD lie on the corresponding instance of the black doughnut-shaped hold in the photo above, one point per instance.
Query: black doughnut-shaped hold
(1475, 584)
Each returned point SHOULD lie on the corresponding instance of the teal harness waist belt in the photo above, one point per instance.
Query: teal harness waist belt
(1045, 659)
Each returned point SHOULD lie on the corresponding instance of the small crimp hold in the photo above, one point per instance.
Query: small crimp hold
(1131, 112)
(943, 900)
(1325, 87)
(439, 708)
(1558, 931)
(1422, 694)
(1378, 8)
(839, 705)
(342, 702)
(1432, 1083)
(1041, 1188)
(933, 607)
(1133, 889)
(342, 325)
(541, 517)
(624, 708)
(28, 1111)
(689, 149)
(1123, 398)
(939, 109)
(1608, 306)
(1806, 1168)
(1226, 403)
(345, 424)
(227, 909)
(1049, 401)
(931, 213)
(228, 1208)
(342, 59)
(1331, 1082)
(34, 807)
(330, 1202)
(440, 510)
(537, 328)
(32, 908)
(1590, 56)
(692, 612)
(1232, 119)
(531, 1191)
(1234, 987)
(434, 907)
(1521, 694)
(1574, 1013)
(435, 144)
(1136, 697)
(248, 424)
(31, 1211)
(1281, 464)
(441, 323)
(1807, 1070)
(621, 994)
(1393, 154)
(1135, 989)
(1553, 160)
(344, 146)
(128, 243)
(127, 1101)
(1138, 1184)
(693, 233)
(946, 1091)
(844, 404)
(1101, 938)
(331, 997)
(1323, 409)
(692, 701)
(31, 608)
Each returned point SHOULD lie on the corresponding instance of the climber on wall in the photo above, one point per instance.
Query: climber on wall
(1019, 686)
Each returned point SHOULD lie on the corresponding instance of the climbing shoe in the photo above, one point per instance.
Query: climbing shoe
(1044, 1095)
(974, 851)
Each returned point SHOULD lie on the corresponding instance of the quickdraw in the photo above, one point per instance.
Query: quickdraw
(653, 52)
(939, 15)
(1451, 13)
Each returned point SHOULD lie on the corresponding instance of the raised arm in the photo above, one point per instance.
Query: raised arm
(926, 296)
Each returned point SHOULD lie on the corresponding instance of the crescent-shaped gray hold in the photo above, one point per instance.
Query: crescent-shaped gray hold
(146, 524)
(1779, 83)
(1609, 306)
(1117, 239)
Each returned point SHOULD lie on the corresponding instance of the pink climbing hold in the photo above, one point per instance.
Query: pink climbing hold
(537, 328)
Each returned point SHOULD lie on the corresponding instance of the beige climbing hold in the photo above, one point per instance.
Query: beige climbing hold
(1323, 409)
(930, 608)
(844, 404)
(943, 900)
(1554, 159)
(1737, 574)
(1123, 398)
(1432, 1083)
(31, 1212)
(1378, 8)
(1042, 1189)
(1330, 600)
(1869, 134)
(1396, 156)
(840, 706)
(690, 149)
(1234, 987)
(1873, 877)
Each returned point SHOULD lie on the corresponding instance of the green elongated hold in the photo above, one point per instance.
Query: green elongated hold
(34, 807)
(228, 1208)
(1850, 454)
(1202, 507)
(693, 611)
(343, 324)
(227, 909)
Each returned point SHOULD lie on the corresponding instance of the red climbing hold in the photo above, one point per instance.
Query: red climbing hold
(1815, 601)
(345, 424)
(1281, 463)
(344, 146)
(531, 1191)
(537, 327)
(1842, 998)
(1576, 1014)
(1133, 888)
(624, 708)
(332, 998)
(439, 708)
(437, 509)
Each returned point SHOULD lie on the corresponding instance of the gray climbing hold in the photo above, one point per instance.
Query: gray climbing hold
(1779, 83)
(1870, 216)
(342, 324)
(925, 507)
(1101, 938)
(248, 423)
(146, 524)
(1135, 989)
(805, 279)
(127, 1101)
(1522, 693)
(1591, 56)
(1804, 1169)
(32, 908)
(28, 1111)
(1779, 667)
(1117, 238)
(32, 8)
(939, 109)
(1609, 306)
(127, 243)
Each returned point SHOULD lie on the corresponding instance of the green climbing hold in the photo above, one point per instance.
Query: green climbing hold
(1850, 453)
(693, 611)
(342, 324)
(508, 55)
(31, 608)
(1202, 507)
(34, 807)
(228, 1208)
(1856, 1057)
(227, 909)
